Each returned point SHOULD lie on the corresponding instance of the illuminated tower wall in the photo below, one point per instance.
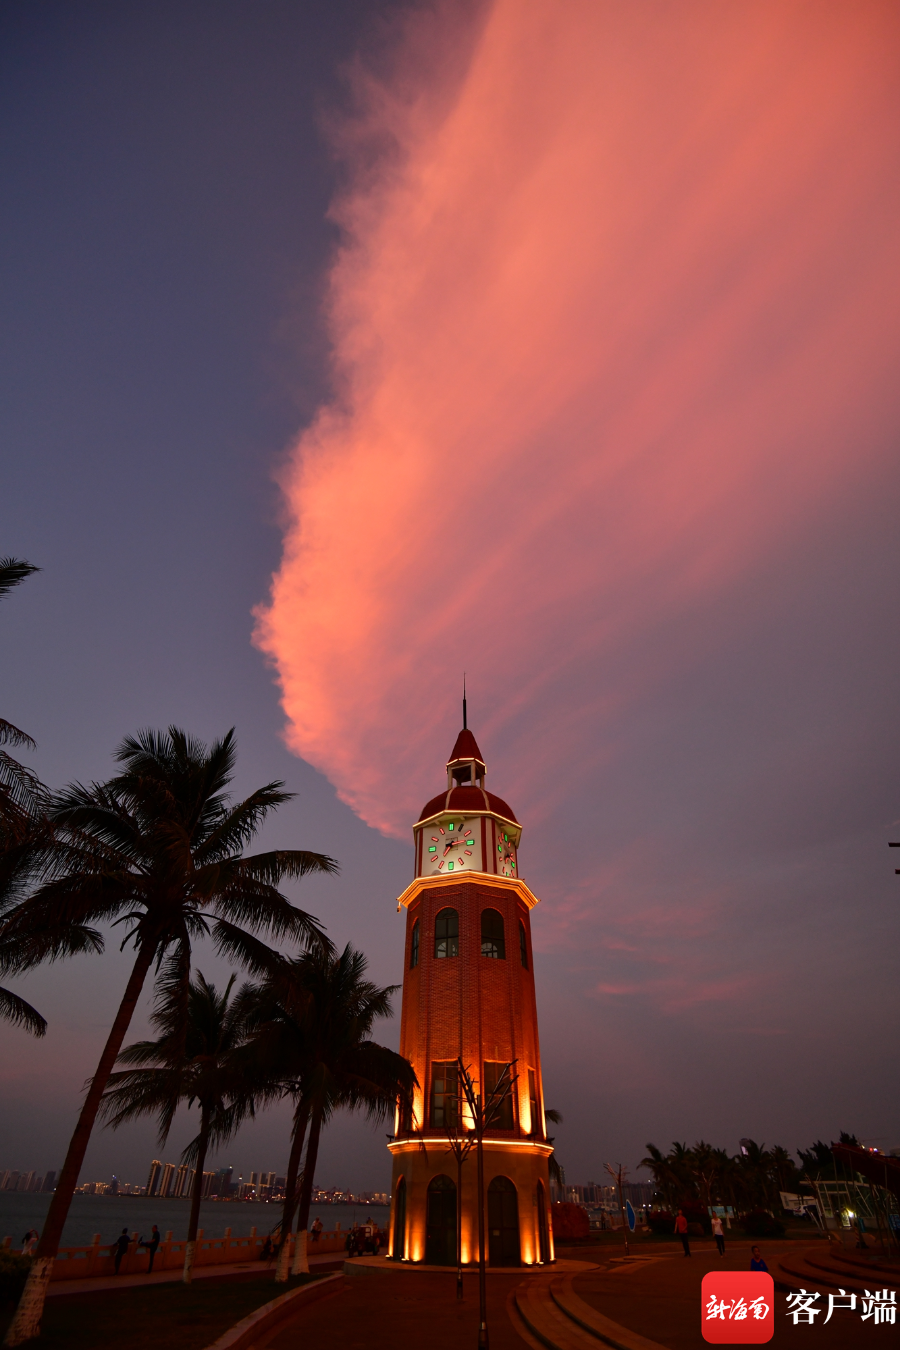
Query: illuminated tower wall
(468, 990)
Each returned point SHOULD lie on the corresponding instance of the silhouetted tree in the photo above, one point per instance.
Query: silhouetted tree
(161, 846)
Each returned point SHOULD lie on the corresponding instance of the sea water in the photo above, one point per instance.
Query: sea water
(109, 1214)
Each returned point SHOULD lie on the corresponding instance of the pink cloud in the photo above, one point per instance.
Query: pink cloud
(616, 310)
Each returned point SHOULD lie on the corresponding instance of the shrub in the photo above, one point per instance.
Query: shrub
(13, 1274)
(699, 1222)
(569, 1221)
(661, 1221)
(758, 1223)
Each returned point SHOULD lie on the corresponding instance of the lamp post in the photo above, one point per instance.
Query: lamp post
(460, 1147)
(618, 1175)
(483, 1115)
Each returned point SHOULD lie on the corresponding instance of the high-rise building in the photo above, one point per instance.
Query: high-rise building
(182, 1181)
(50, 1182)
(168, 1177)
(154, 1177)
(25, 1182)
(468, 993)
(209, 1179)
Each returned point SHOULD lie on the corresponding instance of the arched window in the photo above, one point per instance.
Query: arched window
(440, 1222)
(446, 934)
(493, 942)
(543, 1235)
(398, 1243)
(414, 946)
(523, 946)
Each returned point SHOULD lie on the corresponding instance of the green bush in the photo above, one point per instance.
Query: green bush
(13, 1274)
(758, 1223)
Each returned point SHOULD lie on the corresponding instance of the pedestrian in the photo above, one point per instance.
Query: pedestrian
(316, 1229)
(29, 1241)
(151, 1246)
(682, 1231)
(120, 1247)
(376, 1239)
(756, 1261)
(718, 1233)
(268, 1250)
(369, 1228)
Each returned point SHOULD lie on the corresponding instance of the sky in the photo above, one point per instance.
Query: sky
(348, 347)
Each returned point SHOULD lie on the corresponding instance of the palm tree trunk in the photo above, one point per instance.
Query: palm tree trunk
(196, 1195)
(301, 1118)
(301, 1264)
(27, 1320)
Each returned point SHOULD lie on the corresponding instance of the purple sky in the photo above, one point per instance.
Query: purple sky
(694, 715)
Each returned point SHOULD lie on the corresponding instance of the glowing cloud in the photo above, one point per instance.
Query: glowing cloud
(617, 308)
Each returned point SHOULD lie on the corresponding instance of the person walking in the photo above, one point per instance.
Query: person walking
(756, 1260)
(120, 1247)
(718, 1233)
(316, 1229)
(681, 1229)
(29, 1241)
(151, 1246)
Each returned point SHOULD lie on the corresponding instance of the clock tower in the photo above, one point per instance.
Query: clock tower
(468, 992)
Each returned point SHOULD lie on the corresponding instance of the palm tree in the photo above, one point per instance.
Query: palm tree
(18, 786)
(193, 1060)
(159, 847)
(23, 832)
(278, 1056)
(554, 1166)
(333, 1064)
(664, 1177)
(753, 1165)
(705, 1164)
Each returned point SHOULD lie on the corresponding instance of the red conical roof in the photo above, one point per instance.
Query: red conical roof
(466, 747)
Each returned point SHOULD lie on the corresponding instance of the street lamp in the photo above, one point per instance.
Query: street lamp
(483, 1115)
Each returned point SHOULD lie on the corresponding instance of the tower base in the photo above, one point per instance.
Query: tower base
(424, 1203)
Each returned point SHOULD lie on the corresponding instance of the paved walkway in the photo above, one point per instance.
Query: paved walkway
(656, 1295)
(385, 1311)
(660, 1298)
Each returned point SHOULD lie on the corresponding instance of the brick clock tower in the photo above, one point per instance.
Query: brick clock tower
(468, 991)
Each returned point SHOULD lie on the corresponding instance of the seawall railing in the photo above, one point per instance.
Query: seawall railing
(97, 1259)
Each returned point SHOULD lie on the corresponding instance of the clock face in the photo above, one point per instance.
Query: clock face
(451, 845)
(506, 854)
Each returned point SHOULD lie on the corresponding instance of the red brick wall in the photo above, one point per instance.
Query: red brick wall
(470, 1005)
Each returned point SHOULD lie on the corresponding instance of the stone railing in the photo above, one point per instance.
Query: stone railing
(96, 1261)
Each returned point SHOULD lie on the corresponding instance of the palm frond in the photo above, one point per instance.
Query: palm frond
(14, 1009)
(12, 572)
(239, 945)
(10, 735)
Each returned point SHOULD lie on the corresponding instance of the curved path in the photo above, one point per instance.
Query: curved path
(650, 1302)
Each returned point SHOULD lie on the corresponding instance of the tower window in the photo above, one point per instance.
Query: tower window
(533, 1103)
(502, 1115)
(446, 934)
(444, 1095)
(493, 941)
(523, 946)
(414, 946)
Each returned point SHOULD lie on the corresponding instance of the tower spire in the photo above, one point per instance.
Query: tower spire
(465, 723)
